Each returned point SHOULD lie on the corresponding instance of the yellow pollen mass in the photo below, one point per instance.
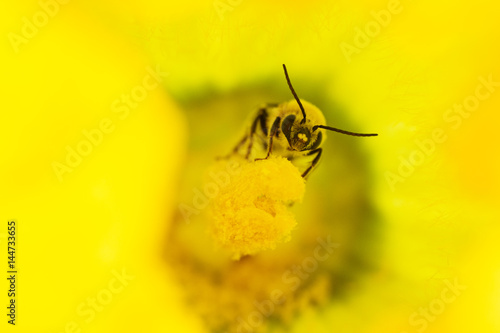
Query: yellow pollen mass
(251, 214)
(302, 137)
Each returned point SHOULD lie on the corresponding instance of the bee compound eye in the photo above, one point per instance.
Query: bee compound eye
(286, 126)
(317, 143)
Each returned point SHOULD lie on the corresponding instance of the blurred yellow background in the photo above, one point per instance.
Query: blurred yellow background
(98, 115)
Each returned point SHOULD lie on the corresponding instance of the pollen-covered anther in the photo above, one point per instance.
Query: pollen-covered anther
(251, 213)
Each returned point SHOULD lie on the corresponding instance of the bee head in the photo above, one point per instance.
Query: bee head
(300, 136)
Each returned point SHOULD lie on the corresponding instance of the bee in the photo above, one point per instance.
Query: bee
(293, 129)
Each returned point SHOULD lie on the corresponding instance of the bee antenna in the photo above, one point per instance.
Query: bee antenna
(341, 131)
(295, 95)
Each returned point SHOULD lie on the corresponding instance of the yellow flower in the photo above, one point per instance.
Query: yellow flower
(111, 111)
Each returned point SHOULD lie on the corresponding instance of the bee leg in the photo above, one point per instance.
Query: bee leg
(261, 118)
(274, 130)
(235, 149)
(314, 162)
